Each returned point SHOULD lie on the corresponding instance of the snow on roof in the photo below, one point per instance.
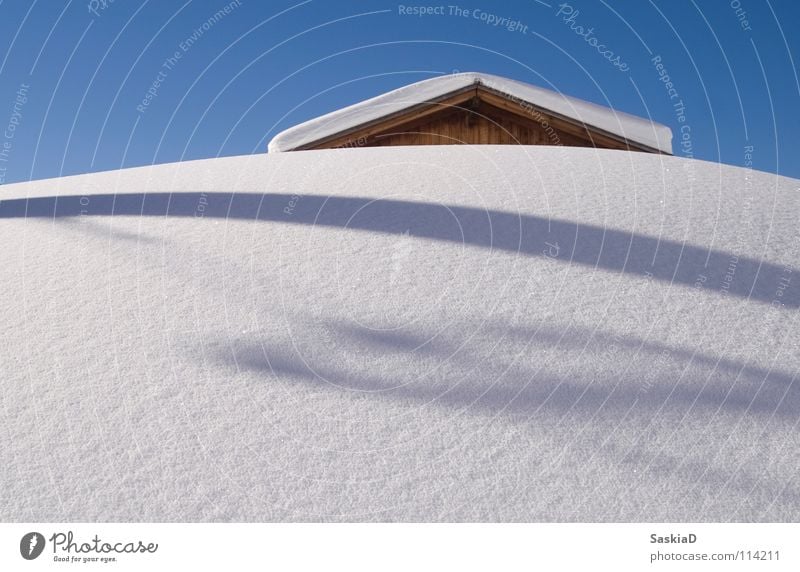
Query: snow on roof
(630, 127)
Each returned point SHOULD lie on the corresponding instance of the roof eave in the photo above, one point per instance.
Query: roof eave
(378, 120)
(476, 85)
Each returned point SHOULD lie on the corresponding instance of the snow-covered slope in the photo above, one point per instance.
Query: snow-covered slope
(628, 126)
(432, 333)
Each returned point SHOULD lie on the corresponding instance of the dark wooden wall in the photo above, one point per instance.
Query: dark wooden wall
(476, 127)
(476, 117)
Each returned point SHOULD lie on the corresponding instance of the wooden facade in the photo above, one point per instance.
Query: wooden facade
(477, 115)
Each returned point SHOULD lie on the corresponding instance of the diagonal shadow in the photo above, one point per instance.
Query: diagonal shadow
(527, 393)
(614, 250)
(578, 339)
(521, 391)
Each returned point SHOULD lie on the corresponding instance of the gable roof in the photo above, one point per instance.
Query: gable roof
(623, 125)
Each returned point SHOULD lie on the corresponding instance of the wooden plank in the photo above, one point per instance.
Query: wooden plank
(420, 112)
(596, 136)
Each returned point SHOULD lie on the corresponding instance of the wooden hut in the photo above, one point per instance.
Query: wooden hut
(475, 108)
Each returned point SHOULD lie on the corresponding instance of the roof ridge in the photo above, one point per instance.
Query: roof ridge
(639, 130)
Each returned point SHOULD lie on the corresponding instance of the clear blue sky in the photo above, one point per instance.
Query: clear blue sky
(82, 76)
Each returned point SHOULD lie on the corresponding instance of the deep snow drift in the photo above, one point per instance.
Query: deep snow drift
(434, 333)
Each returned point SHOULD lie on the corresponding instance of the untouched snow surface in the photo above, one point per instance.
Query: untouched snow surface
(415, 333)
(622, 124)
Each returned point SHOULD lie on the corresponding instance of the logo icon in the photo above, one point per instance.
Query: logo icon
(31, 545)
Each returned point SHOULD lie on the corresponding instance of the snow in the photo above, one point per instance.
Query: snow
(434, 333)
(630, 127)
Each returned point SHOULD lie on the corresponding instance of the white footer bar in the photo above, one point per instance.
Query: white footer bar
(401, 547)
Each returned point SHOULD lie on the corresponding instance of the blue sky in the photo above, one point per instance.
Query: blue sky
(74, 82)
